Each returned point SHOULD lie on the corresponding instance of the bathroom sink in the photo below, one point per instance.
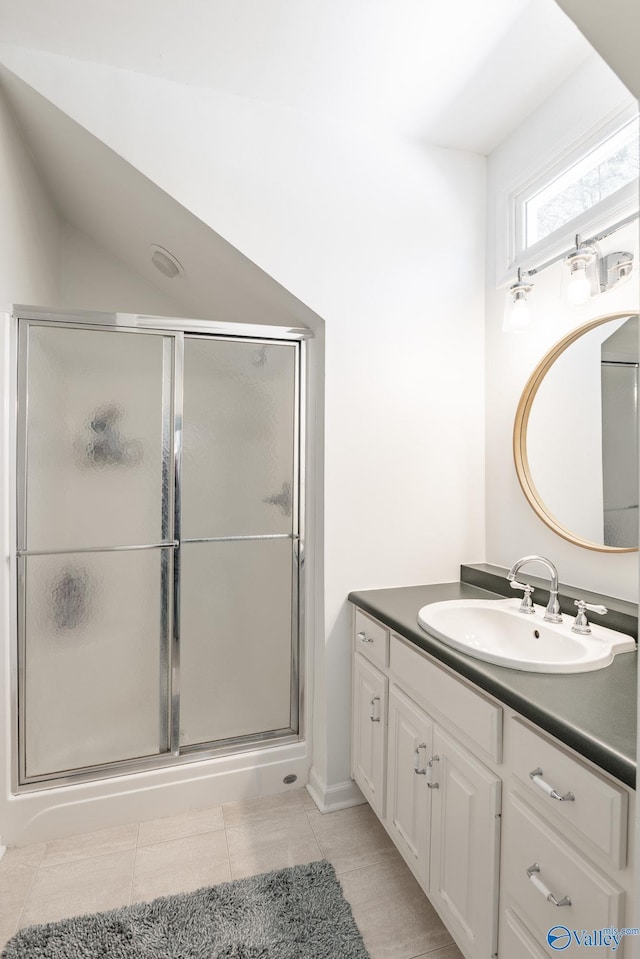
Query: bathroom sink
(496, 632)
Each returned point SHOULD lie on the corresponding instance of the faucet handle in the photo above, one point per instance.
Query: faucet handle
(581, 623)
(526, 606)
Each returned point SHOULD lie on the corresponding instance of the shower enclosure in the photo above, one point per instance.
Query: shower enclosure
(159, 543)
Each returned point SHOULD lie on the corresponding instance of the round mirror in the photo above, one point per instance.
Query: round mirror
(575, 438)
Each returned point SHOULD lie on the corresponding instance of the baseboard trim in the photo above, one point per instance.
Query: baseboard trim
(331, 798)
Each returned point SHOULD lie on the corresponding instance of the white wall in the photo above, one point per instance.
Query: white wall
(29, 273)
(30, 235)
(383, 239)
(513, 529)
(92, 279)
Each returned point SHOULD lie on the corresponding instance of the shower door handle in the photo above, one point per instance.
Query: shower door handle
(173, 544)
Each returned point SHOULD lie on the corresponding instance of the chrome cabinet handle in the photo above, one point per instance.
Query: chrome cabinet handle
(364, 638)
(536, 776)
(532, 872)
(430, 782)
(374, 718)
(416, 761)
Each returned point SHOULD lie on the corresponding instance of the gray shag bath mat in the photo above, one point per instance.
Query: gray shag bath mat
(295, 913)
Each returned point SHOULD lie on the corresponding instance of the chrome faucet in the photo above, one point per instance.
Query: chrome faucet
(552, 612)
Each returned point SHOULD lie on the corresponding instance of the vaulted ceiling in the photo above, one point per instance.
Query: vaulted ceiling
(460, 75)
(457, 74)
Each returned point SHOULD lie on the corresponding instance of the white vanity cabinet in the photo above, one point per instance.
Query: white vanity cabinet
(441, 805)
(469, 792)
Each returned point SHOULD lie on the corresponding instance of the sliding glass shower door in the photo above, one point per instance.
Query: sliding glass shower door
(158, 546)
(94, 546)
(239, 520)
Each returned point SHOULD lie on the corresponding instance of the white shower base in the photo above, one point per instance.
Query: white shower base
(63, 811)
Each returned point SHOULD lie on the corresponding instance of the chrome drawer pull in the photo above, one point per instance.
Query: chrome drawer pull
(540, 886)
(536, 777)
(374, 718)
(364, 638)
(429, 771)
(416, 761)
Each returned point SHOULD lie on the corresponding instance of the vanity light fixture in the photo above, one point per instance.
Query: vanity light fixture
(518, 307)
(588, 272)
(582, 279)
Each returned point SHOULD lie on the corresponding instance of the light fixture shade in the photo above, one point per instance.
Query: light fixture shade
(518, 308)
(580, 278)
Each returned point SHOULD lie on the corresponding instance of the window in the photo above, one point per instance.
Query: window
(587, 187)
(601, 173)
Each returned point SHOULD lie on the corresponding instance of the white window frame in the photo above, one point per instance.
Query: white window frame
(512, 252)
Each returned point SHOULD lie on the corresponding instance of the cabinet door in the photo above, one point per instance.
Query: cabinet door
(408, 792)
(465, 834)
(369, 731)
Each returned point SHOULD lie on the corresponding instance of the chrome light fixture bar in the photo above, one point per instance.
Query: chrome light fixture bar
(589, 273)
(614, 268)
(590, 242)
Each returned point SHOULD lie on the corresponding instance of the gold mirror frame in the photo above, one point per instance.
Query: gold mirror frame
(520, 436)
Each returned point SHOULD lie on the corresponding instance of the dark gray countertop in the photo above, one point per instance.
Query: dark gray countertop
(595, 713)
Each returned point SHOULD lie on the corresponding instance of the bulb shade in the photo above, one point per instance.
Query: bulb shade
(580, 278)
(578, 287)
(517, 314)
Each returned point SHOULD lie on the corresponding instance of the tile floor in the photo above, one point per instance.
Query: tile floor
(115, 867)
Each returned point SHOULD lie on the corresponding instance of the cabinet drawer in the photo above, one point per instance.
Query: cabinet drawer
(598, 811)
(468, 711)
(595, 901)
(371, 639)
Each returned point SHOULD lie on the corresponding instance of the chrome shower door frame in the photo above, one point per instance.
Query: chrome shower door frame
(168, 545)
(173, 329)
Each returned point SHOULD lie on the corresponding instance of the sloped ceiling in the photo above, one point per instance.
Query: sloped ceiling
(457, 74)
(104, 197)
(614, 31)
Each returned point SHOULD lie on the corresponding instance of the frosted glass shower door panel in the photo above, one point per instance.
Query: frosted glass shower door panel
(96, 431)
(92, 659)
(236, 639)
(238, 438)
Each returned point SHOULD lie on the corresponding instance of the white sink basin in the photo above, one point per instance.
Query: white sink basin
(495, 631)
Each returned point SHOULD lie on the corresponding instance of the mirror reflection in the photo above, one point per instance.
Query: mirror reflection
(576, 435)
